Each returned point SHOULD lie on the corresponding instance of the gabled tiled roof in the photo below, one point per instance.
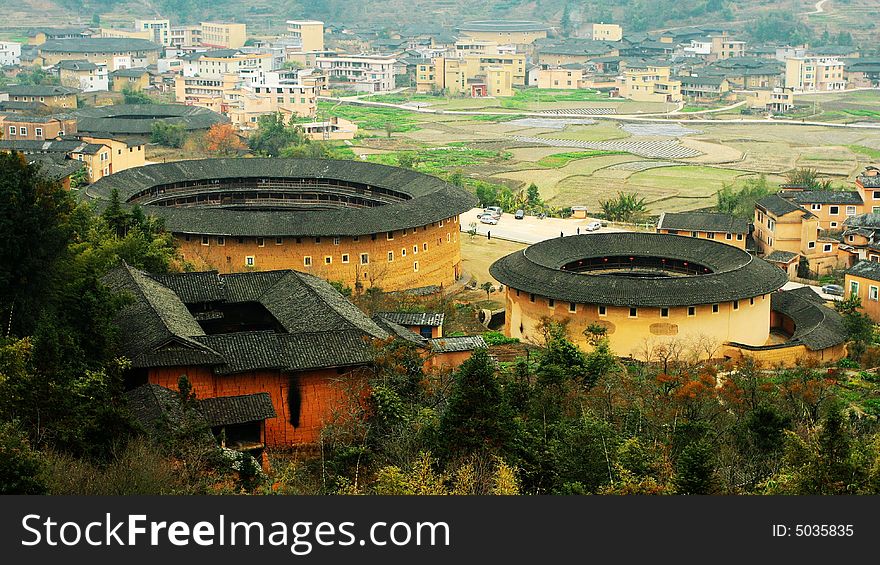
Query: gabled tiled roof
(869, 181)
(456, 344)
(399, 331)
(815, 325)
(823, 196)
(870, 221)
(780, 256)
(38, 90)
(702, 221)
(229, 410)
(434, 319)
(865, 269)
(98, 45)
(779, 206)
(138, 119)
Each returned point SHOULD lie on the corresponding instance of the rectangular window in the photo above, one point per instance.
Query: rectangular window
(531, 298)
(317, 240)
(692, 311)
(345, 257)
(603, 310)
(714, 308)
(415, 249)
(826, 248)
(739, 237)
(833, 224)
(664, 312)
(811, 245)
(752, 301)
(834, 210)
(307, 261)
(335, 241)
(551, 303)
(403, 252)
(261, 242)
(633, 312)
(424, 247)
(390, 235)
(356, 238)
(249, 261)
(815, 206)
(415, 266)
(736, 304)
(22, 131)
(710, 235)
(728, 236)
(328, 260)
(204, 240)
(11, 130)
(572, 307)
(221, 241)
(38, 132)
(278, 241)
(391, 256)
(850, 210)
(872, 292)
(365, 258)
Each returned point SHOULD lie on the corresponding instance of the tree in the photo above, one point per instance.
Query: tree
(488, 288)
(408, 159)
(533, 196)
(223, 139)
(390, 128)
(168, 134)
(273, 135)
(808, 179)
(741, 203)
(859, 326)
(136, 97)
(20, 465)
(626, 207)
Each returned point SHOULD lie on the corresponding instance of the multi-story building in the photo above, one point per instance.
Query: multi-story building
(520, 33)
(649, 83)
(36, 128)
(213, 92)
(814, 74)
(160, 30)
(479, 68)
(724, 47)
(117, 33)
(10, 53)
(309, 33)
(606, 32)
(185, 36)
(84, 75)
(112, 52)
(704, 88)
(778, 100)
(831, 207)
(566, 77)
(273, 93)
(102, 156)
(42, 35)
(863, 280)
(133, 80)
(363, 73)
(49, 96)
(223, 35)
(788, 235)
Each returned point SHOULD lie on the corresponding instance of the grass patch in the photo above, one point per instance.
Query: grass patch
(368, 117)
(867, 151)
(442, 159)
(401, 98)
(527, 96)
(562, 159)
(875, 114)
(496, 118)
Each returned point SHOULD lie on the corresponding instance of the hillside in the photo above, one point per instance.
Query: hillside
(268, 16)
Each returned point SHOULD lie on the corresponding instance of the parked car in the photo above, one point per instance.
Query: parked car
(834, 289)
(593, 226)
(519, 215)
(488, 219)
(494, 210)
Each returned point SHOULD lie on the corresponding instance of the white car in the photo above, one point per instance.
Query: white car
(488, 219)
(593, 226)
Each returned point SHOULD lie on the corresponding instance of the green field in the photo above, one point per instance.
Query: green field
(371, 118)
(561, 159)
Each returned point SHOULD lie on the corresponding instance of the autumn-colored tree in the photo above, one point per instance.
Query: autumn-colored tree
(223, 139)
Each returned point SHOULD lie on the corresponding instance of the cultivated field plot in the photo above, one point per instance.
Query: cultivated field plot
(652, 149)
(550, 180)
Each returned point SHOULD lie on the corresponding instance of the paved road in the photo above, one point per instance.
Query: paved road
(818, 9)
(530, 229)
(791, 285)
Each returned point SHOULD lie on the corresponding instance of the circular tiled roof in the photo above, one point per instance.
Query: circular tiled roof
(721, 273)
(342, 198)
(138, 119)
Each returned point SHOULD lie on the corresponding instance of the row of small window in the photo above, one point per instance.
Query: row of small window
(633, 311)
(38, 132)
(709, 235)
(834, 210)
(261, 242)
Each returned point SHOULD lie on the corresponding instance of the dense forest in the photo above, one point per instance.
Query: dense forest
(557, 420)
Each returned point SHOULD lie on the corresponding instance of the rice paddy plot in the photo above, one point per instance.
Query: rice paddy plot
(551, 123)
(649, 149)
(637, 166)
(658, 130)
(581, 111)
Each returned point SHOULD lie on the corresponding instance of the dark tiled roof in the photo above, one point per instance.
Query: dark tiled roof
(137, 119)
(229, 410)
(700, 81)
(54, 168)
(823, 197)
(98, 45)
(865, 269)
(430, 198)
(38, 90)
(735, 274)
(815, 325)
(869, 181)
(779, 206)
(76, 65)
(152, 405)
(702, 221)
(503, 26)
(398, 330)
(780, 256)
(28, 146)
(870, 221)
(434, 319)
(136, 72)
(460, 343)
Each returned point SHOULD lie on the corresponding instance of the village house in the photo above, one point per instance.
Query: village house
(814, 74)
(362, 73)
(649, 83)
(112, 52)
(720, 227)
(101, 156)
(36, 128)
(52, 97)
(84, 75)
(863, 280)
(134, 80)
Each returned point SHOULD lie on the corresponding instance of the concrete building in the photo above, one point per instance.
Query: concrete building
(606, 32)
(42, 35)
(725, 47)
(134, 80)
(309, 33)
(519, 33)
(719, 227)
(778, 100)
(223, 35)
(363, 73)
(101, 156)
(84, 75)
(477, 68)
(160, 30)
(566, 77)
(332, 129)
(814, 74)
(651, 293)
(186, 36)
(863, 280)
(117, 33)
(114, 53)
(274, 92)
(649, 83)
(358, 223)
(10, 53)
